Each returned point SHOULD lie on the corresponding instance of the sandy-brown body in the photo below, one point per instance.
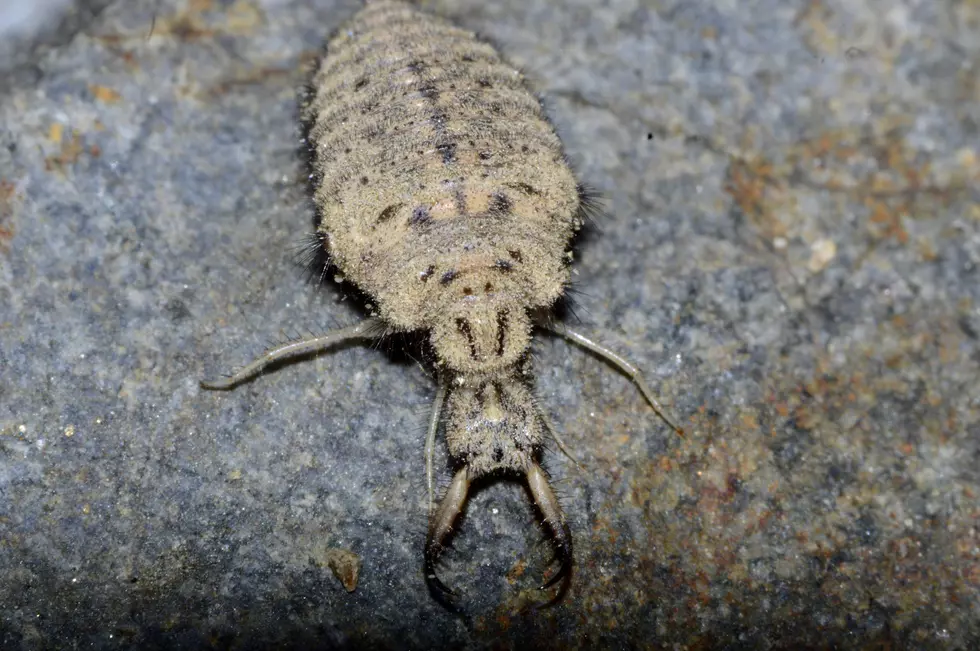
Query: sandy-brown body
(437, 175)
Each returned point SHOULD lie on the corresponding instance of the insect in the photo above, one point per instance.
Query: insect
(443, 193)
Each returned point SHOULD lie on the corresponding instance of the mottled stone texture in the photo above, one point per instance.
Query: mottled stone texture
(791, 252)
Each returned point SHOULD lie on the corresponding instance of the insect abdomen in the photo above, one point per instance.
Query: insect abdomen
(433, 161)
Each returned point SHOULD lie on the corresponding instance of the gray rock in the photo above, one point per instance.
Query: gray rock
(790, 251)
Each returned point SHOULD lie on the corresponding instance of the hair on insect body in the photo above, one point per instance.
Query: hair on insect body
(442, 192)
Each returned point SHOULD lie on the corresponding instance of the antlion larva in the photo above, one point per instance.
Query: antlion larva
(443, 193)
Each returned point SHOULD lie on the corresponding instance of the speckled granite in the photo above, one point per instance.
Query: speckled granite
(791, 252)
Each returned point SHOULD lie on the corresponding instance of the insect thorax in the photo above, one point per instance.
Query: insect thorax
(481, 333)
(482, 342)
(492, 424)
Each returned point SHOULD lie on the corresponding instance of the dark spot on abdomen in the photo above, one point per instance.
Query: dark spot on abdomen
(499, 203)
(448, 151)
(420, 216)
(389, 212)
(448, 277)
(527, 189)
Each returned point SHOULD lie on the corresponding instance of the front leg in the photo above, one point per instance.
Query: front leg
(631, 371)
(370, 328)
(430, 441)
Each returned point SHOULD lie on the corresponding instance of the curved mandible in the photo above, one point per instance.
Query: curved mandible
(546, 500)
(442, 523)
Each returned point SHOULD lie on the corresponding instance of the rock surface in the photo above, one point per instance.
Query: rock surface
(790, 251)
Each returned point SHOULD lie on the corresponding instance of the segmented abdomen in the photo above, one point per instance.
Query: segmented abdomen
(432, 159)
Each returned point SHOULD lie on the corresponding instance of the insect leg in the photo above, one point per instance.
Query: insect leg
(366, 329)
(442, 523)
(430, 441)
(554, 434)
(631, 371)
(545, 498)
